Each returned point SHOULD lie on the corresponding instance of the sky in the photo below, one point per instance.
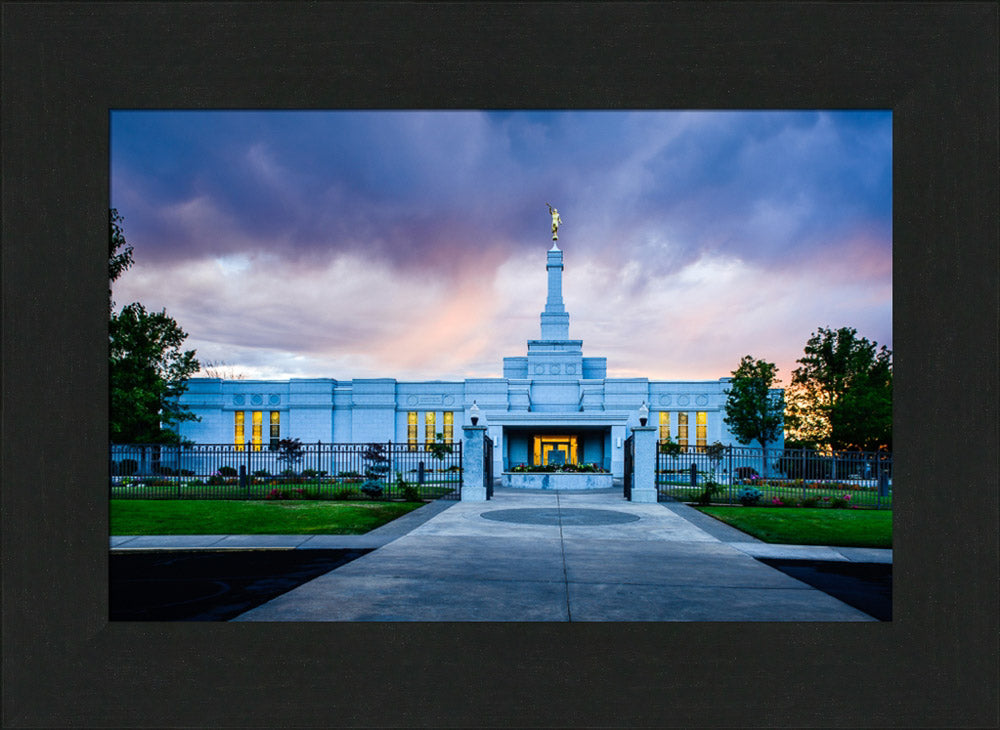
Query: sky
(412, 244)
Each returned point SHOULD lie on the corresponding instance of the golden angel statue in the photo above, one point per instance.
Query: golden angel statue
(556, 220)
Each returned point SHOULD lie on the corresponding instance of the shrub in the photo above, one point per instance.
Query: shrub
(345, 494)
(559, 468)
(840, 502)
(709, 490)
(159, 482)
(748, 496)
(128, 467)
(262, 473)
(278, 493)
(810, 501)
(227, 471)
(670, 448)
(372, 489)
(351, 474)
(309, 474)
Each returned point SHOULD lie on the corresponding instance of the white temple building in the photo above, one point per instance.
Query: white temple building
(550, 404)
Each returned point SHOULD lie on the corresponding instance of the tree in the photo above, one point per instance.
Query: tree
(843, 392)
(289, 453)
(148, 368)
(149, 372)
(220, 369)
(754, 409)
(119, 251)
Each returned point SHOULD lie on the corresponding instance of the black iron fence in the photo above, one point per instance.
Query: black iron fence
(805, 477)
(628, 473)
(382, 470)
(488, 465)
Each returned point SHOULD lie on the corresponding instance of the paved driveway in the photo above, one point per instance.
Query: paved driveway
(557, 556)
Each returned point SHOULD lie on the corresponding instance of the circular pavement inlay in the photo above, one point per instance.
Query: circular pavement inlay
(555, 516)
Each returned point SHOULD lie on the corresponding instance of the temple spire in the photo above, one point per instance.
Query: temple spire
(555, 318)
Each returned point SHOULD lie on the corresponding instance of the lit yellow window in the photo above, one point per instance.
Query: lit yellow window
(238, 436)
(429, 421)
(258, 421)
(701, 429)
(664, 425)
(275, 428)
(682, 429)
(411, 430)
(449, 427)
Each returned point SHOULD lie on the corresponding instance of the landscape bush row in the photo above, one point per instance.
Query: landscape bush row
(750, 496)
(556, 468)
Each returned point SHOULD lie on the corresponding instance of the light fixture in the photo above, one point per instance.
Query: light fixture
(643, 414)
(474, 413)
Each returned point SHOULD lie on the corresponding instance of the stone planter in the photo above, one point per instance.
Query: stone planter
(555, 480)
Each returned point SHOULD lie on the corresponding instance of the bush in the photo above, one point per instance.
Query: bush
(372, 489)
(840, 502)
(345, 494)
(127, 467)
(670, 448)
(409, 492)
(309, 474)
(261, 473)
(810, 501)
(709, 490)
(227, 471)
(748, 496)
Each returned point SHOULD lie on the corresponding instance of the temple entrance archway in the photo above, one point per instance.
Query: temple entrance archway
(555, 449)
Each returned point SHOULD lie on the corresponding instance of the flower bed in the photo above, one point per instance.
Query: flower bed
(557, 480)
(557, 469)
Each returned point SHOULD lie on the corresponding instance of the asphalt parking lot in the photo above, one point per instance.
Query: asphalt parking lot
(202, 585)
(866, 586)
(210, 585)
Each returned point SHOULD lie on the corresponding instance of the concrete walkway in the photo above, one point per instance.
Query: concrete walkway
(546, 556)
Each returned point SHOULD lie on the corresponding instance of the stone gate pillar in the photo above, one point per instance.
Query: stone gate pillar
(644, 464)
(473, 466)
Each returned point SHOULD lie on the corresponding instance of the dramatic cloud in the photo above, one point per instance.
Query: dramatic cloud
(412, 244)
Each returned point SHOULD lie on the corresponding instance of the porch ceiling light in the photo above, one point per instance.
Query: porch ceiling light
(474, 413)
(643, 414)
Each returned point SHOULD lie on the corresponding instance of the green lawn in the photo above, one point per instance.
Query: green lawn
(240, 517)
(805, 526)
